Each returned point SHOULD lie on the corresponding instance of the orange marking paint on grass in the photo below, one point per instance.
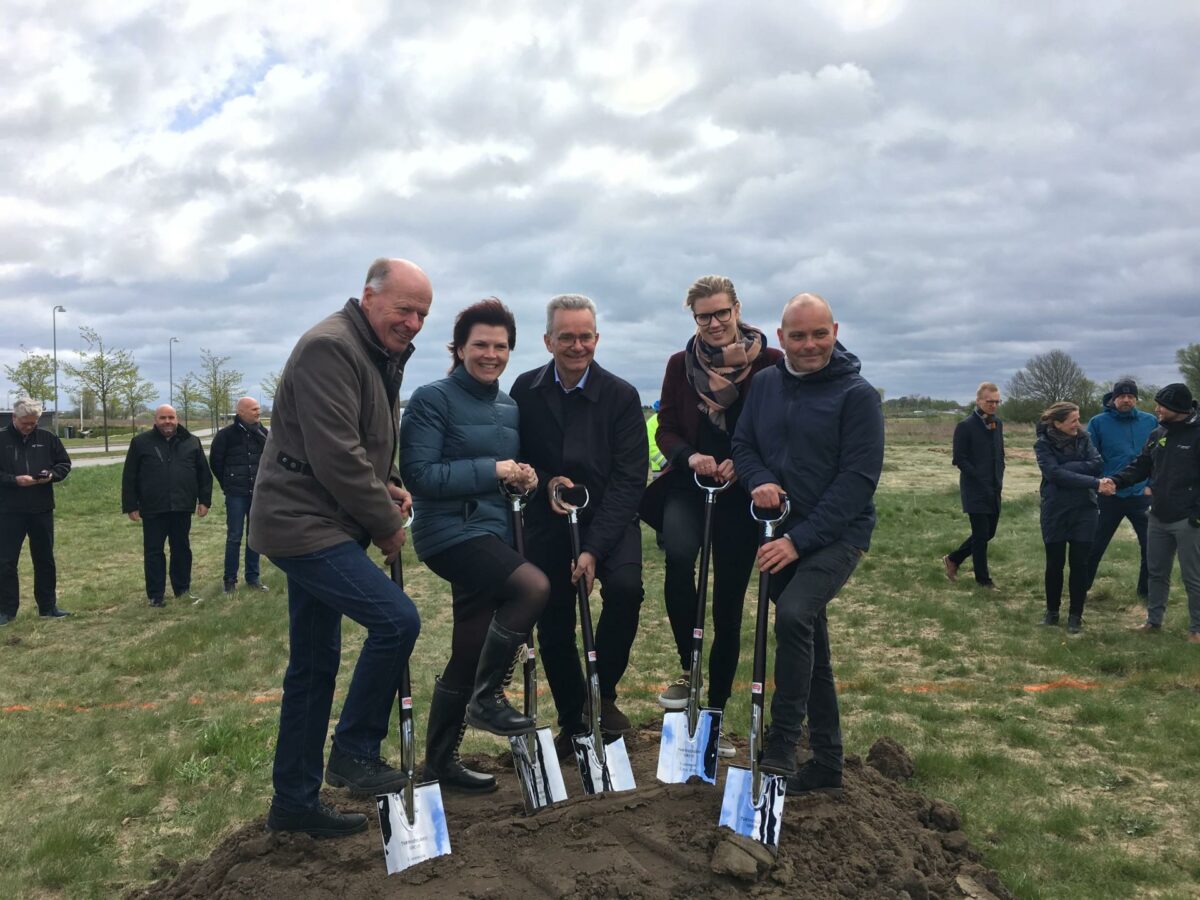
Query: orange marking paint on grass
(18, 708)
(1072, 683)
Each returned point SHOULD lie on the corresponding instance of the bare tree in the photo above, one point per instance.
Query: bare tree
(1051, 377)
(216, 385)
(1188, 360)
(270, 385)
(101, 370)
(186, 396)
(34, 375)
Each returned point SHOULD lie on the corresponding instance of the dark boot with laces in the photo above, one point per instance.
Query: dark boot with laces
(320, 821)
(362, 776)
(447, 710)
(489, 709)
(779, 756)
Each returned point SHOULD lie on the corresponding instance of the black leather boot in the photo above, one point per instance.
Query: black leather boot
(442, 739)
(489, 709)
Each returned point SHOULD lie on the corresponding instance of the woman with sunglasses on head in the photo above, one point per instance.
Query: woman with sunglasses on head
(1071, 469)
(459, 441)
(703, 393)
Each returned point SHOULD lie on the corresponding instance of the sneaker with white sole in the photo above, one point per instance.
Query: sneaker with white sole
(676, 694)
(725, 748)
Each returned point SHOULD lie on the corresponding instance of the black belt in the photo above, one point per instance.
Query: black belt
(299, 466)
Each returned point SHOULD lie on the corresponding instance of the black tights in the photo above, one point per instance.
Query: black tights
(1056, 557)
(516, 605)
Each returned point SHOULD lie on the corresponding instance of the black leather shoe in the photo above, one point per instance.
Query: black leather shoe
(779, 756)
(54, 613)
(320, 821)
(158, 602)
(228, 587)
(443, 735)
(257, 586)
(362, 777)
(5, 619)
(1050, 618)
(815, 779)
(1074, 624)
(612, 720)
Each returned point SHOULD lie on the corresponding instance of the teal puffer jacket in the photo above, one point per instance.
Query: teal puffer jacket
(452, 434)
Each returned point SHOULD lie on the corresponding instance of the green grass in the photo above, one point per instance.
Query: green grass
(129, 735)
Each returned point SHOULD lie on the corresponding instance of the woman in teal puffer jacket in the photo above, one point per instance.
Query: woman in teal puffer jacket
(458, 444)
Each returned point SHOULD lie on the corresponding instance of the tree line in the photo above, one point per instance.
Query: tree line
(106, 381)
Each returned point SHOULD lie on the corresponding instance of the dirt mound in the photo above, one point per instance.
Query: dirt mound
(878, 840)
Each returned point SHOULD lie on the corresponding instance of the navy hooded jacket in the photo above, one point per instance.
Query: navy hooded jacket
(1120, 437)
(820, 438)
(1070, 476)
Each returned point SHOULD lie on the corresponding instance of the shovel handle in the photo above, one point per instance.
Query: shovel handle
(585, 626)
(407, 737)
(759, 671)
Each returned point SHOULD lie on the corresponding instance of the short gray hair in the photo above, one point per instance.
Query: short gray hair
(567, 301)
(377, 275)
(27, 406)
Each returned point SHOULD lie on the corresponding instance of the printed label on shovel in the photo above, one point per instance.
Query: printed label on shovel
(591, 655)
(530, 653)
(682, 756)
(405, 845)
(756, 687)
(760, 821)
(406, 702)
(697, 633)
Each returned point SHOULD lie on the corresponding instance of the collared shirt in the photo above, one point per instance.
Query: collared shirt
(578, 387)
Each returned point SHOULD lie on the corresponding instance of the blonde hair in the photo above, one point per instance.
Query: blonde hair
(710, 286)
(986, 387)
(1059, 412)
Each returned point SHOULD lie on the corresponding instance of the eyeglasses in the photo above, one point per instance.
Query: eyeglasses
(721, 315)
(568, 340)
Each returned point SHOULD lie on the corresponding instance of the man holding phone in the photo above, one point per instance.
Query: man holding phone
(31, 460)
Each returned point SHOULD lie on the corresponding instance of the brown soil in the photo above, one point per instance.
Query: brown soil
(877, 840)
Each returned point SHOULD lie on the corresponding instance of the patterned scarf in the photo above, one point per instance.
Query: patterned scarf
(715, 372)
(989, 419)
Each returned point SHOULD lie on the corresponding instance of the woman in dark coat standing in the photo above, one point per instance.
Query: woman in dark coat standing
(1071, 469)
(703, 393)
(458, 443)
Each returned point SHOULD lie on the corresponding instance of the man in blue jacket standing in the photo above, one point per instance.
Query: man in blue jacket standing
(1119, 433)
(812, 429)
(979, 456)
(234, 457)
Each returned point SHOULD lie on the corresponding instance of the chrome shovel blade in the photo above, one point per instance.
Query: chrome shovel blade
(761, 821)
(614, 774)
(682, 756)
(406, 844)
(536, 764)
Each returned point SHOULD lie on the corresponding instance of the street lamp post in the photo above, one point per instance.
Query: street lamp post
(171, 367)
(54, 328)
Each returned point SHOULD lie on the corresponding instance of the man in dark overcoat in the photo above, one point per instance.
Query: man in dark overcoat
(979, 456)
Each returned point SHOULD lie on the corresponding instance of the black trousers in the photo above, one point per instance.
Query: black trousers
(1112, 510)
(620, 577)
(1056, 559)
(174, 528)
(735, 544)
(983, 529)
(14, 526)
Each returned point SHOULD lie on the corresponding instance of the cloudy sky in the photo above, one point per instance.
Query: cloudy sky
(968, 183)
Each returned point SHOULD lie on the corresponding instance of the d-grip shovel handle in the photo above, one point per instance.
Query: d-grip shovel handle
(407, 738)
(759, 675)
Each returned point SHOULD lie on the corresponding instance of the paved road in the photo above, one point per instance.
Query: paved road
(82, 457)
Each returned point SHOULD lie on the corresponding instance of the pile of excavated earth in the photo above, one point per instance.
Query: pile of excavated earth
(878, 840)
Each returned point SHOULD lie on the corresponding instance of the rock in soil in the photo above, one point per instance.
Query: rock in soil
(878, 840)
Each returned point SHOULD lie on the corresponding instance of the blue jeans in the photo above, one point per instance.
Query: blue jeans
(322, 587)
(804, 683)
(237, 510)
(1112, 511)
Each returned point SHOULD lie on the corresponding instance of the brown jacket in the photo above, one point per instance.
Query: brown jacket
(332, 445)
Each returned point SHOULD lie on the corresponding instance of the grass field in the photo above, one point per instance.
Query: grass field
(132, 737)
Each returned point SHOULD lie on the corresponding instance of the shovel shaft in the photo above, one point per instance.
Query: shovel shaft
(696, 678)
(589, 639)
(529, 670)
(407, 737)
(758, 679)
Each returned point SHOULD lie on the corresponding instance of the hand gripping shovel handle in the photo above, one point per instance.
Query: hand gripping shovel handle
(694, 681)
(759, 674)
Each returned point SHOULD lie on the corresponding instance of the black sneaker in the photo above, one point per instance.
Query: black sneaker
(228, 587)
(5, 619)
(158, 602)
(257, 586)
(815, 779)
(362, 777)
(54, 613)
(1050, 618)
(320, 821)
(1074, 624)
(564, 741)
(779, 756)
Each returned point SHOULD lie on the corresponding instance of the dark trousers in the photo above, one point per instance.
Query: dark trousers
(734, 545)
(1112, 510)
(804, 685)
(14, 526)
(174, 528)
(322, 587)
(620, 577)
(1056, 558)
(237, 511)
(983, 529)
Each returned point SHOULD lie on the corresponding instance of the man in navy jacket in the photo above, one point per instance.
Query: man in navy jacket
(812, 429)
(233, 457)
(979, 455)
(1119, 433)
